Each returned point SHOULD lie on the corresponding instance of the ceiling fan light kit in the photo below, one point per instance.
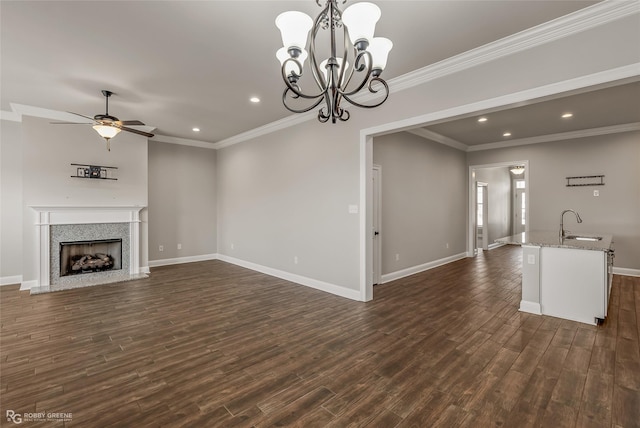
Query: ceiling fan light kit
(363, 59)
(108, 126)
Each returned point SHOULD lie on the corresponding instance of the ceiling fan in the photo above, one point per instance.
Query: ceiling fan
(109, 126)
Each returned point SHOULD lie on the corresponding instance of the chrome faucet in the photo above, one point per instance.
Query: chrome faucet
(562, 231)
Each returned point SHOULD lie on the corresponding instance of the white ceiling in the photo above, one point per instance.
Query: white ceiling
(179, 64)
(615, 108)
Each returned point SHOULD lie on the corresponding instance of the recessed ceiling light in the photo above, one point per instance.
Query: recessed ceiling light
(482, 119)
(254, 99)
(507, 134)
(195, 129)
(567, 115)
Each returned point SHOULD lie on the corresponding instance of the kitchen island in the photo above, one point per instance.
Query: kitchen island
(566, 277)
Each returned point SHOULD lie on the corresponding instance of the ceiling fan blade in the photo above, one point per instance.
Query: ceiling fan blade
(131, 123)
(81, 115)
(70, 123)
(135, 131)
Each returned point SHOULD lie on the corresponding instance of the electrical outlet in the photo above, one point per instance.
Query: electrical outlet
(531, 259)
(233, 246)
(179, 246)
(295, 260)
(397, 257)
(596, 192)
(161, 248)
(447, 245)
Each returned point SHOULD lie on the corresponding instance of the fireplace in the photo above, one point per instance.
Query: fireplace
(81, 257)
(65, 235)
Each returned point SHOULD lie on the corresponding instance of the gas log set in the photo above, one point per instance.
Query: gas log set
(91, 263)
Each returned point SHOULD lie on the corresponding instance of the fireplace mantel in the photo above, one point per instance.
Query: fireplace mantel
(52, 215)
(66, 214)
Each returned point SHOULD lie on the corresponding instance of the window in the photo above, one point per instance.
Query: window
(480, 198)
(520, 186)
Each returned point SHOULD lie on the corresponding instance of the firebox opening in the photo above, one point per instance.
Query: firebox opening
(90, 256)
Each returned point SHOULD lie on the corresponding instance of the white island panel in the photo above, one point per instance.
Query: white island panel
(573, 284)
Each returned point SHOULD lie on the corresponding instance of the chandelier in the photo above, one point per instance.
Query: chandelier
(337, 78)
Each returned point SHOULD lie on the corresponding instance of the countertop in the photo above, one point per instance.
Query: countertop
(551, 239)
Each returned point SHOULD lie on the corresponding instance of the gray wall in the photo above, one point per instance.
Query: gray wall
(10, 201)
(286, 193)
(47, 152)
(288, 196)
(424, 200)
(615, 211)
(182, 201)
(498, 224)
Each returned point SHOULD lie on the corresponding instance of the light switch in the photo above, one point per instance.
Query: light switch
(353, 209)
(531, 259)
(596, 193)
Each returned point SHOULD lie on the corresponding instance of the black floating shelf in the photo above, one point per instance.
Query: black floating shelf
(585, 180)
(92, 172)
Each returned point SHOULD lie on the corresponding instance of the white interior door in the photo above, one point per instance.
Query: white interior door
(377, 224)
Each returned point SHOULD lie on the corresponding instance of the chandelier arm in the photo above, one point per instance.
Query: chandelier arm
(294, 86)
(303, 110)
(345, 37)
(360, 67)
(370, 87)
(315, 69)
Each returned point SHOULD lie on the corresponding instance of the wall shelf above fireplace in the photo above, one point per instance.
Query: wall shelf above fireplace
(94, 172)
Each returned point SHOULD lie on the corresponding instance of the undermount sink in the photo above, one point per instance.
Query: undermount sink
(584, 238)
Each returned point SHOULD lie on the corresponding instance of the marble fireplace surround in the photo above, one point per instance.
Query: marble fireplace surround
(54, 223)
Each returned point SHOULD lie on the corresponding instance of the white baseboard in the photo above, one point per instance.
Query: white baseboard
(421, 268)
(28, 285)
(495, 245)
(626, 272)
(9, 280)
(298, 279)
(530, 307)
(180, 260)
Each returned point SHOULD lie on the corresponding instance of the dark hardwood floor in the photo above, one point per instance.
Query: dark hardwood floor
(211, 344)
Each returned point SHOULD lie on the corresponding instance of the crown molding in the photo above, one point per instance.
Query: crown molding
(158, 138)
(25, 110)
(625, 74)
(284, 123)
(573, 23)
(19, 110)
(438, 138)
(583, 133)
(10, 116)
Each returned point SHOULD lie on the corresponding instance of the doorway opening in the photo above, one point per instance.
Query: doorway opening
(498, 204)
